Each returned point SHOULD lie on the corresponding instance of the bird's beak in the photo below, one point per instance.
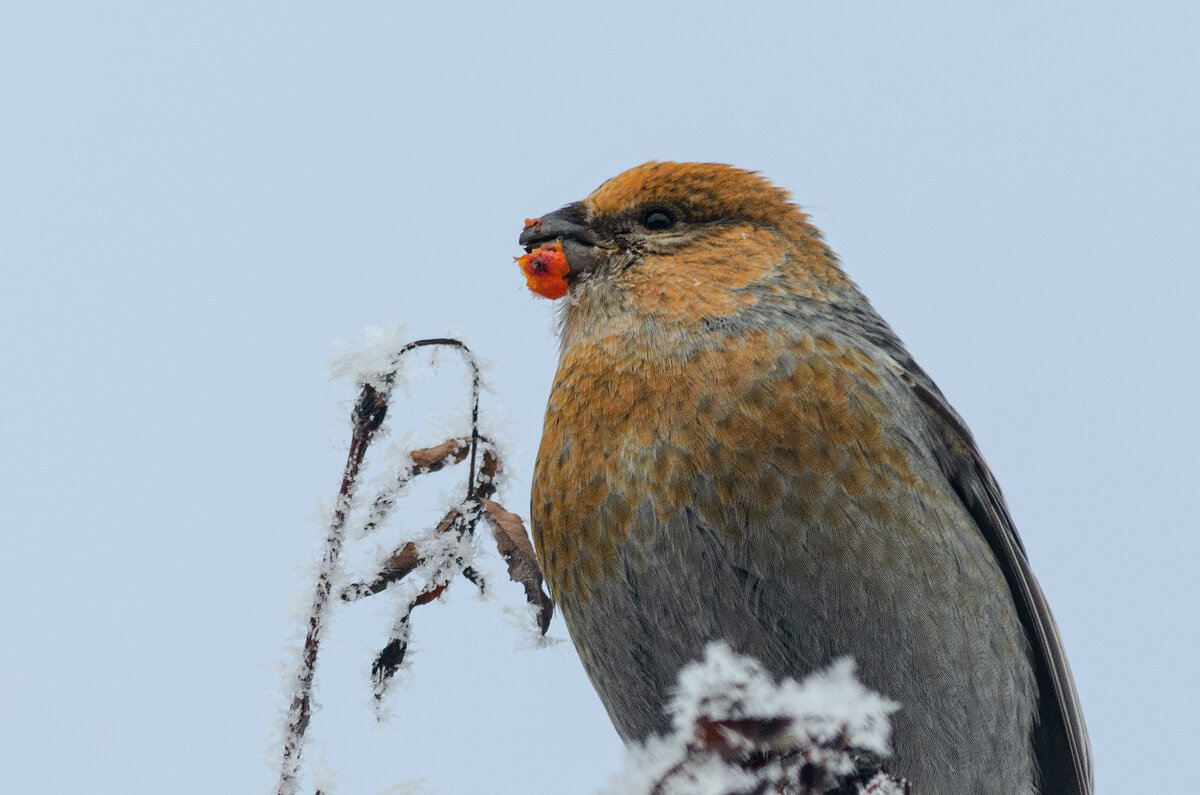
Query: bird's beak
(568, 226)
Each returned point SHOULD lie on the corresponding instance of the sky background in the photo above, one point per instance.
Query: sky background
(200, 202)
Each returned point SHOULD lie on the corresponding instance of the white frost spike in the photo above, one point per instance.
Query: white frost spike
(824, 715)
(524, 620)
(373, 360)
(826, 705)
(441, 551)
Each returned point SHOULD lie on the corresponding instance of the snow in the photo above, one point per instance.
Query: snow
(825, 705)
(371, 360)
(824, 715)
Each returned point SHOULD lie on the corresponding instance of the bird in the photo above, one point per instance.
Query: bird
(738, 448)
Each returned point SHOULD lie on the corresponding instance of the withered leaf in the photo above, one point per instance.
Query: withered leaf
(400, 563)
(398, 566)
(431, 459)
(514, 545)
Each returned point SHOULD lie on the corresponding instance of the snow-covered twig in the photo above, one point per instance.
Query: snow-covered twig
(737, 731)
(368, 417)
(444, 554)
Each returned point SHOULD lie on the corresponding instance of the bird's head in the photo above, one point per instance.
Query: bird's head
(676, 244)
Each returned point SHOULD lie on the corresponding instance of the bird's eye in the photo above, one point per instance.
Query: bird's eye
(657, 220)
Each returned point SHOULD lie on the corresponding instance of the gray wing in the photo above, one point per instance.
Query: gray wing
(1060, 738)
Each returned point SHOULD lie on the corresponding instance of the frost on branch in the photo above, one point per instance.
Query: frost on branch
(434, 560)
(736, 730)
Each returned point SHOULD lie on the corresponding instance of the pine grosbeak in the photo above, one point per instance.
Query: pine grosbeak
(738, 448)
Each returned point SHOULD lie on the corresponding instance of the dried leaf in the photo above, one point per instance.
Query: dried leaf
(515, 547)
(731, 737)
(386, 663)
(485, 481)
(398, 566)
(431, 459)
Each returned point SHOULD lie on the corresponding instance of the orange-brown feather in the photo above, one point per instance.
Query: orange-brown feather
(799, 412)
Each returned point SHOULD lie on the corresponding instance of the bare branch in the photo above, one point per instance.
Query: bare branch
(442, 562)
(369, 414)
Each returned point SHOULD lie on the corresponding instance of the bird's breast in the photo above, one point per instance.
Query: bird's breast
(770, 429)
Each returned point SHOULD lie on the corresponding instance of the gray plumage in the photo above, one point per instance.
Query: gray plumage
(764, 539)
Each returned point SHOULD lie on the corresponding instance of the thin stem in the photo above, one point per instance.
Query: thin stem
(368, 416)
(476, 382)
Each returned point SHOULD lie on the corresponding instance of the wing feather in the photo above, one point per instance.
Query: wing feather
(1060, 740)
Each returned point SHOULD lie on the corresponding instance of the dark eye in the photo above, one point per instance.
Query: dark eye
(657, 220)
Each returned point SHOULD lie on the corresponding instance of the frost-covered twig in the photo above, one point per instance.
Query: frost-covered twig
(736, 731)
(368, 416)
(440, 557)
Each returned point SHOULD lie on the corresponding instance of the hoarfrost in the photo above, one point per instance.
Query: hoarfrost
(882, 784)
(525, 620)
(826, 705)
(825, 720)
(372, 360)
(443, 552)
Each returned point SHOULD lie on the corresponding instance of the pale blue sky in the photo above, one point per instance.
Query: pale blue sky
(197, 200)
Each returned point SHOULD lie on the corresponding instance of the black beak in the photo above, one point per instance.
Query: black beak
(580, 246)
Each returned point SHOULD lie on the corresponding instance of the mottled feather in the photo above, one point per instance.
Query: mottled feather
(738, 447)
